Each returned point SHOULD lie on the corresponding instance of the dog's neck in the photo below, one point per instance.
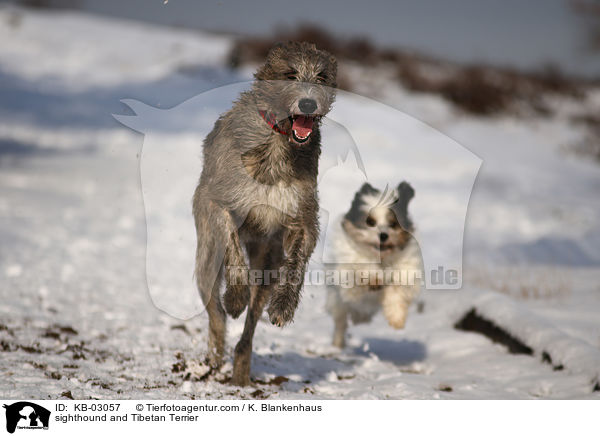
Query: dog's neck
(271, 120)
(278, 160)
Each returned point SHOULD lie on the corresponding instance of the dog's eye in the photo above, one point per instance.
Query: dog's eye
(370, 221)
(322, 77)
(394, 225)
(291, 75)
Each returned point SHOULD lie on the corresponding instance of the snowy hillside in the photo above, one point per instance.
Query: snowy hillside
(77, 318)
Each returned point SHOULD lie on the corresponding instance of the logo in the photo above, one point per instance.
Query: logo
(26, 415)
(365, 141)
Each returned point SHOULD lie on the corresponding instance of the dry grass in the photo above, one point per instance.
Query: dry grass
(483, 90)
(480, 90)
(255, 49)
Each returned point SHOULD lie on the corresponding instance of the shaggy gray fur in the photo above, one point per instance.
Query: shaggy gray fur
(258, 193)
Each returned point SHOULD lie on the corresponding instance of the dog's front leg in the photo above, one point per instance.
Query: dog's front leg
(264, 256)
(299, 245)
(237, 293)
(395, 302)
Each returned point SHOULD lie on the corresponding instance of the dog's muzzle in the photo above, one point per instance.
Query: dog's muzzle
(302, 127)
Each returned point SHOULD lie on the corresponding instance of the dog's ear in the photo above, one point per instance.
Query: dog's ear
(333, 61)
(367, 189)
(334, 70)
(266, 72)
(275, 49)
(400, 207)
(331, 68)
(356, 213)
(405, 192)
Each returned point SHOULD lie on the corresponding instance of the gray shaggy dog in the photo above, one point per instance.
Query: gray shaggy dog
(256, 206)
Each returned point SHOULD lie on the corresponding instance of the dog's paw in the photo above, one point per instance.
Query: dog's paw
(240, 379)
(236, 299)
(339, 341)
(396, 321)
(214, 360)
(282, 306)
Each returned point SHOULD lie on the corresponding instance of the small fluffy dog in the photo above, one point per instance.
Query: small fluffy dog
(255, 206)
(375, 243)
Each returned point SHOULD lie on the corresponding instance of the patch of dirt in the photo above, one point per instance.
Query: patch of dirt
(179, 365)
(181, 327)
(193, 370)
(58, 340)
(308, 390)
(277, 381)
(346, 376)
(12, 346)
(54, 375)
(445, 388)
(67, 394)
(6, 329)
(546, 358)
(259, 394)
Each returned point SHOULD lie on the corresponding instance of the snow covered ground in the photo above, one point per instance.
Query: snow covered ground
(76, 317)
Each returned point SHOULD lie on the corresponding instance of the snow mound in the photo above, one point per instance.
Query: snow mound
(547, 341)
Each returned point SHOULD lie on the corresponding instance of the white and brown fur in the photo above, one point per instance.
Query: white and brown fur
(374, 235)
(256, 204)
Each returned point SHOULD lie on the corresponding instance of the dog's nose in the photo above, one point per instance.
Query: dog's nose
(307, 105)
(383, 237)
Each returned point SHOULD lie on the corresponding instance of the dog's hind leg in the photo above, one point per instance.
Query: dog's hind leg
(208, 278)
(210, 253)
(216, 329)
(336, 308)
(266, 258)
(340, 320)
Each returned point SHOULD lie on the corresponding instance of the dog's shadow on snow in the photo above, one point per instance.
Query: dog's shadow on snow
(401, 353)
(310, 369)
(314, 368)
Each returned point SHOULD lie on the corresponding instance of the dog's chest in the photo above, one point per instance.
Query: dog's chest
(273, 205)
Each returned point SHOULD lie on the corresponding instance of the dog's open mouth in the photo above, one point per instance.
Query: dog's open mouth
(385, 248)
(302, 127)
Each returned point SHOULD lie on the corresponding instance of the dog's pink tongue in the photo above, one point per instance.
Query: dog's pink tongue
(302, 125)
